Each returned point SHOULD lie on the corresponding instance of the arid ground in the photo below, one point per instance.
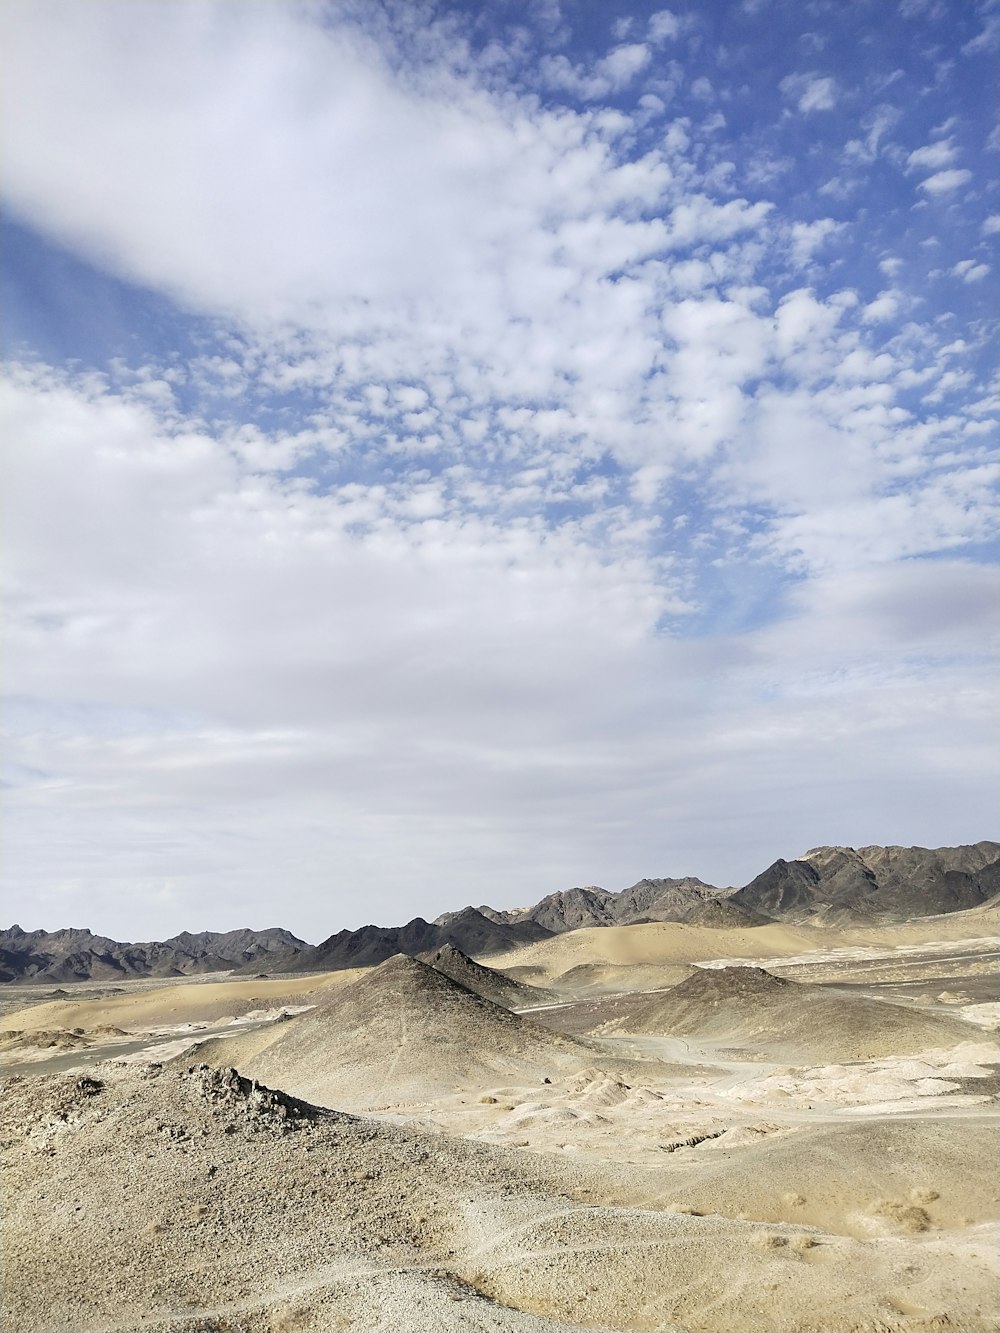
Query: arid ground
(777, 1129)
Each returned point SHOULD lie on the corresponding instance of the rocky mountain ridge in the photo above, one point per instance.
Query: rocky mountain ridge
(833, 884)
(571, 909)
(468, 930)
(825, 885)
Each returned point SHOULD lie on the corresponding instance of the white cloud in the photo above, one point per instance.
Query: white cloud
(988, 37)
(664, 26)
(991, 226)
(884, 307)
(623, 63)
(970, 271)
(264, 136)
(610, 74)
(808, 237)
(932, 156)
(913, 9)
(943, 182)
(810, 92)
(878, 123)
(698, 219)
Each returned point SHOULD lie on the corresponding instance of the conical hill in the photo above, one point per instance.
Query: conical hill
(403, 1033)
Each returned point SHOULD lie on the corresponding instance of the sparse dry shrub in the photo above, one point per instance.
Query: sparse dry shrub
(923, 1195)
(907, 1216)
(771, 1240)
(802, 1243)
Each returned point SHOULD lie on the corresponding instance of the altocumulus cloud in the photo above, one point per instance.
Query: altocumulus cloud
(491, 458)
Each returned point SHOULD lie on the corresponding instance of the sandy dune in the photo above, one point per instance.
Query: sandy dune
(776, 1018)
(658, 943)
(201, 1001)
(668, 943)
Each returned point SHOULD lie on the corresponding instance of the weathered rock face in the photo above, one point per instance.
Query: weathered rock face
(571, 909)
(665, 899)
(914, 881)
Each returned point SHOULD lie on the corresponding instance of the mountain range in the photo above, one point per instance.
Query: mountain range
(79, 955)
(828, 885)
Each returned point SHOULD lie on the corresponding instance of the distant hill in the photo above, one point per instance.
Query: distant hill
(486, 981)
(79, 955)
(469, 931)
(665, 900)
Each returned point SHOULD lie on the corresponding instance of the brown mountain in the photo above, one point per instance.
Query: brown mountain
(647, 900)
(827, 884)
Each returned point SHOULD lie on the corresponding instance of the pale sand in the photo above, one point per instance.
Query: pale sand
(185, 1002)
(710, 1180)
(666, 943)
(187, 1201)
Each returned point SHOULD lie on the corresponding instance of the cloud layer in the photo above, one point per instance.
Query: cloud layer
(526, 487)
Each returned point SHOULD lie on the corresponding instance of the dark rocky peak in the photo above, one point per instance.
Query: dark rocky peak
(785, 888)
(875, 883)
(573, 909)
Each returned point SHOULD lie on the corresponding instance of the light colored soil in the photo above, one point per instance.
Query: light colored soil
(145, 1008)
(730, 1177)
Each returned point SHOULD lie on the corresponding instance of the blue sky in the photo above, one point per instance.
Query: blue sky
(453, 453)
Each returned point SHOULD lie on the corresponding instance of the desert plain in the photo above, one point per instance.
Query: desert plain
(782, 1128)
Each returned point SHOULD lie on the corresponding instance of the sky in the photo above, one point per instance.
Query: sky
(456, 452)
